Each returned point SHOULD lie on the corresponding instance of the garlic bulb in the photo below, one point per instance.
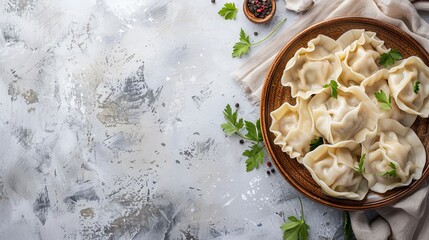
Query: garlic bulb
(299, 5)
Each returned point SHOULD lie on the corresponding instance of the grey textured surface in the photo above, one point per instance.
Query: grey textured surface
(109, 117)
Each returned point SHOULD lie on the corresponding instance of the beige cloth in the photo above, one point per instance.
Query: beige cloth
(407, 219)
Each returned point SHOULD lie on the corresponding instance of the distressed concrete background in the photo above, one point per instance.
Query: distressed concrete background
(109, 124)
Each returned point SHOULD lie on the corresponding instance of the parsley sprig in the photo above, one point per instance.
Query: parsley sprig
(233, 125)
(334, 88)
(392, 171)
(384, 100)
(389, 58)
(243, 45)
(228, 11)
(361, 169)
(295, 229)
(315, 143)
(347, 226)
(416, 87)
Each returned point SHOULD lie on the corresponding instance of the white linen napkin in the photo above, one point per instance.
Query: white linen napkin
(409, 218)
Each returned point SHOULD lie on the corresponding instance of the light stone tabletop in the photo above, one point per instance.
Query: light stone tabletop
(110, 116)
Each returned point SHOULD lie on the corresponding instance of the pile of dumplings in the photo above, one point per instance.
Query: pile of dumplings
(353, 125)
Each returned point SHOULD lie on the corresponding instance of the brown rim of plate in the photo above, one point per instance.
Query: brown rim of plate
(254, 19)
(274, 94)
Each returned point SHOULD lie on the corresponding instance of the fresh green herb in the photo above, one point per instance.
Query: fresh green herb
(295, 229)
(385, 102)
(255, 156)
(234, 125)
(389, 58)
(417, 87)
(347, 226)
(392, 171)
(243, 46)
(315, 143)
(229, 11)
(361, 168)
(334, 88)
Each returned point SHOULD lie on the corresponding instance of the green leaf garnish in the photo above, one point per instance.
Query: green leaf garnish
(334, 88)
(228, 11)
(416, 87)
(389, 58)
(255, 156)
(347, 226)
(243, 46)
(392, 171)
(232, 125)
(384, 100)
(361, 168)
(295, 229)
(315, 143)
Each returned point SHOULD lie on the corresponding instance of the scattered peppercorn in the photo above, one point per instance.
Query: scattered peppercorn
(273, 170)
(241, 141)
(213, 1)
(237, 105)
(255, 33)
(269, 164)
(268, 172)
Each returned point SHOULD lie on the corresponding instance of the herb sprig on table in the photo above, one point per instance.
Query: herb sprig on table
(243, 45)
(228, 11)
(295, 229)
(234, 125)
(347, 226)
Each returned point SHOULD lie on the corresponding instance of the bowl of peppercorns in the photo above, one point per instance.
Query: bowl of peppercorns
(259, 11)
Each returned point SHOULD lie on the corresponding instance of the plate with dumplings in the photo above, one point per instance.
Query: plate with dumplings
(344, 113)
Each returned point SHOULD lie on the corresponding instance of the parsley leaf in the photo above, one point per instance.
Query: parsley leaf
(295, 229)
(232, 125)
(255, 157)
(416, 87)
(392, 171)
(334, 88)
(229, 11)
(361, 168)
(347, 226)
(389, 58)
(385, 102)
(243, 46)
(315, 143)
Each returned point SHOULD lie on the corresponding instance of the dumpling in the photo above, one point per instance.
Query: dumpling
(402, 79)
(378, 82)
(358, 59)
(290, 125)
(349, 117)
(397, 148)
(312, 67)
(333, 169)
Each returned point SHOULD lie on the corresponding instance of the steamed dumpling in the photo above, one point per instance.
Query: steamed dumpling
(402, 79)
(291, 125)
(312, 67)
(362, 49)
(349, 117)
(378, 82)
(333, 169)
(393, 144)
